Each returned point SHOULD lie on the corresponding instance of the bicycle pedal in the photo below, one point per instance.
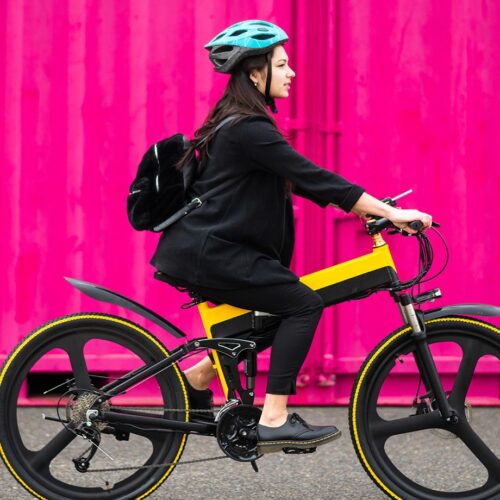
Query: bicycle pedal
(298, 451)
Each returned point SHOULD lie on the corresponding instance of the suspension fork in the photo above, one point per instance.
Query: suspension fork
(423, 357)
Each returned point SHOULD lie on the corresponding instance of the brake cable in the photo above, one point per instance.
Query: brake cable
(447, 253)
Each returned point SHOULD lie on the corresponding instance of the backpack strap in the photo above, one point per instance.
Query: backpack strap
(228, 119)
(198, 201)
(194, 204)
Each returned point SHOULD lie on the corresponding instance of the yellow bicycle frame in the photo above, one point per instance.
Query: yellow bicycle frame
(379, 259)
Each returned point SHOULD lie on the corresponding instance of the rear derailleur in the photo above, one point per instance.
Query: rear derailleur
(91, 434)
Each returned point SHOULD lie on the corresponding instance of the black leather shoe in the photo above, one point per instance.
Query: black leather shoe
(200, 400)
(294, 433)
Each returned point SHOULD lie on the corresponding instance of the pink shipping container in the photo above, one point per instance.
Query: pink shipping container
(391, 94)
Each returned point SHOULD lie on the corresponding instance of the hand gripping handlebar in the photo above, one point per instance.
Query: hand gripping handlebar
(377, 224)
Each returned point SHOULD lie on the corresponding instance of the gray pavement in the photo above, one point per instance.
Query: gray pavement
(333, 472)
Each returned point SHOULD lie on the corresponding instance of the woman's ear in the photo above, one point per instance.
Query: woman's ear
(254, 76)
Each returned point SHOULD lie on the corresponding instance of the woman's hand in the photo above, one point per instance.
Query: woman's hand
(367, 204)
(401, 217)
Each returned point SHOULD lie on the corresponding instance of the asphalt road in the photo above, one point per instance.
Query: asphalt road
(333, 472)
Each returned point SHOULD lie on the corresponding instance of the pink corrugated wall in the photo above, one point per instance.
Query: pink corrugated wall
(390, 94)
(419, 106)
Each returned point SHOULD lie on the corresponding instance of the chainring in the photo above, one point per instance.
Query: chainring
(237, 433)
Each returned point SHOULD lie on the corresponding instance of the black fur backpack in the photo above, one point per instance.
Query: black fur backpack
(158, 195)
(158, 188)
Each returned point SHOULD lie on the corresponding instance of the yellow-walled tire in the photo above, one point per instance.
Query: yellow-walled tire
(76, 342)
(373, 427)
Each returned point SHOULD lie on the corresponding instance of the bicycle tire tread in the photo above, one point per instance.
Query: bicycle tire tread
(25, 341)
(376, 354)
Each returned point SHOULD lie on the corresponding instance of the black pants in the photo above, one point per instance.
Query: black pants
(300, 309)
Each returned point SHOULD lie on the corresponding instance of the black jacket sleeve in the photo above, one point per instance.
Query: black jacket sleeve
(264, 144)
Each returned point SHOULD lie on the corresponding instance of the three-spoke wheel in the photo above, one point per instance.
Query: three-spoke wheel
(385, 439)
(73, 461)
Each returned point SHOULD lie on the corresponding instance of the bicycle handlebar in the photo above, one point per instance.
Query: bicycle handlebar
(378, 224)
(426, 255)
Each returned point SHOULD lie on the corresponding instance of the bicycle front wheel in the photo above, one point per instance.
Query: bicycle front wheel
(411, 452)
(47, 458)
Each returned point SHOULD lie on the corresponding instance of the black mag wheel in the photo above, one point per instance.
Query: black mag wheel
(410, 451)
(56, 468)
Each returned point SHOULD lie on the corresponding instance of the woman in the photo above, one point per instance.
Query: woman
(237, 247)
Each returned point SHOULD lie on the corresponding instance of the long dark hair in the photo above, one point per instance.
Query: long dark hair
(240, 98)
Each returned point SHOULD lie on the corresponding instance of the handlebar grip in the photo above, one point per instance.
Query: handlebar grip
(376, 225)
(416, 225)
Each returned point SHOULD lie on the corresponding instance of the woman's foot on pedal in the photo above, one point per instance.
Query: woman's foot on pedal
(294, 433)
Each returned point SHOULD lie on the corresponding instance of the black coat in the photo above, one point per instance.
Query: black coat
(245, 236)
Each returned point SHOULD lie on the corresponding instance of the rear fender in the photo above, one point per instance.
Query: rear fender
(104, 295)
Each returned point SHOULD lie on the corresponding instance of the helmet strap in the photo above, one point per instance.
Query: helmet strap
(269, 100)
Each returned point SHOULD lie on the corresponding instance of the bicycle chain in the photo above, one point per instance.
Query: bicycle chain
(157, 466)
(150, 408)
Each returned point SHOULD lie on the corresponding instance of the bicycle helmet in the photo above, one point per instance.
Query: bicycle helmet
(245, 39)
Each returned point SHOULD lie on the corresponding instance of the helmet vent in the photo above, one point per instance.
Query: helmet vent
(219, 36)
(238, 32)
(222, 49)
(263, 36)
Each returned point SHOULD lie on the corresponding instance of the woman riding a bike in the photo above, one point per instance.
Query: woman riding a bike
(237, 247)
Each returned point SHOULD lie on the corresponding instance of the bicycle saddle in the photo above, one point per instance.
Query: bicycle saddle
(196, 296)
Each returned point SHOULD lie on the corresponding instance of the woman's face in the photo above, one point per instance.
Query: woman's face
(282, 75)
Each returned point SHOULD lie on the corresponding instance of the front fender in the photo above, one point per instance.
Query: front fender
(462, 309)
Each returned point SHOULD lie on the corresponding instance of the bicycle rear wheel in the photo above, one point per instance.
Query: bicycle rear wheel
(385, 438)
(78, 344)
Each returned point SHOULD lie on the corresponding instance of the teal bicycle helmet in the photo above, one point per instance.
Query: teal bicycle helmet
(245, 39)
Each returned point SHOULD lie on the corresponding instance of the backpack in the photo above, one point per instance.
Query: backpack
(158, 195)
